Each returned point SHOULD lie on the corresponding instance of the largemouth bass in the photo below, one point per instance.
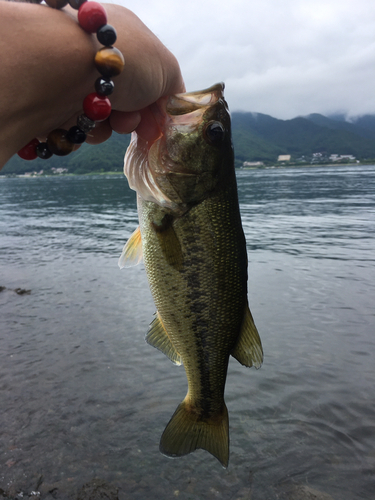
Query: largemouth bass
(194, 250)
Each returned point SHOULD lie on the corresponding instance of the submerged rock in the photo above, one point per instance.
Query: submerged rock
(19, 291)
(97, 489)
(22, 291)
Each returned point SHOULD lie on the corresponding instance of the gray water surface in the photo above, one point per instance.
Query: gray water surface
(82, 395)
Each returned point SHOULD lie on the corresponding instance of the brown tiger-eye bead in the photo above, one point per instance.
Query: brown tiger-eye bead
(56, 4)
(109, 61)
(58, 142)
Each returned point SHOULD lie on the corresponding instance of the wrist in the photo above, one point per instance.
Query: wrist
(109, 62)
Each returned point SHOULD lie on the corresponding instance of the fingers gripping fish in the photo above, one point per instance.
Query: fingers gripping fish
(192, 242)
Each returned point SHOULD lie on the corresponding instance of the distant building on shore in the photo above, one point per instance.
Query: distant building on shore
(284, 158)
(252, 164)
(336, 157)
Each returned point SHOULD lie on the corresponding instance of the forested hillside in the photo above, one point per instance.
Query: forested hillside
(259, 137)
(256, 137)
(105, 157)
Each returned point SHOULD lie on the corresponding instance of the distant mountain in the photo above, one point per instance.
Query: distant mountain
(302, 136)
(364, 123)
(256, 137)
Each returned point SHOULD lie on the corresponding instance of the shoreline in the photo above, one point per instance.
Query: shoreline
(33, 176)
(263, 167)
(302, 165)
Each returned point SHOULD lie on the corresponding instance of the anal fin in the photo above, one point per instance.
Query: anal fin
(248, 349)
(158, 337)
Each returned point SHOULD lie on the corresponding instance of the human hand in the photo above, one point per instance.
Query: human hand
(55, 72)
(151, 72)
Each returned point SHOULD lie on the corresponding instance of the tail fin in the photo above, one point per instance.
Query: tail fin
(187, 432)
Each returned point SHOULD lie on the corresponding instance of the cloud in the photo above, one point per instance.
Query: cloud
(281, 58)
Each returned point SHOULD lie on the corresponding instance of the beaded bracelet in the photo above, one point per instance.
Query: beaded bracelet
(109, 61)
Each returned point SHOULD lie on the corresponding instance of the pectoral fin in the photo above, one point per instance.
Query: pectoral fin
(132, 253)
(158, 337)
(248, 349)
(171, 248)
(169, 243)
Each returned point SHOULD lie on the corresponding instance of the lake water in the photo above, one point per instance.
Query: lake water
(82, 395)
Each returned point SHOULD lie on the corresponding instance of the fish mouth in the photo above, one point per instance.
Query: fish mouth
(184, 111)
(182, 104)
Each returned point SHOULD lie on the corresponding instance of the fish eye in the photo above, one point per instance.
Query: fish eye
(214, 133)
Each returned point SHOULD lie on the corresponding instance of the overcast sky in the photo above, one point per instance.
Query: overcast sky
(280, 57)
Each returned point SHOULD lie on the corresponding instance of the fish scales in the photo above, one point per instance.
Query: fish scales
(195, 256)
(203, 291)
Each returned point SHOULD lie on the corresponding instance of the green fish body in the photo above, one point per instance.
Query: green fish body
(194, 250)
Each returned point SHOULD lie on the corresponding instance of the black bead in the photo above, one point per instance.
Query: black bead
(76, 135)
(104, 86)
(56, 4)
(43, 151)
(76, 4)
(106, 35)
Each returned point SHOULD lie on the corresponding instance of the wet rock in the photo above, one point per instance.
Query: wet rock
(243, 494)
(61, 490)
(14, 493)
(303, 492)
(34, 495)
(11, 492)
(97, 489)
(1, 289)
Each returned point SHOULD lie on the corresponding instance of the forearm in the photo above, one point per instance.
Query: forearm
(48, 68)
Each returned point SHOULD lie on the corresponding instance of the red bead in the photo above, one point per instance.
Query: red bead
(91, 16)
(28, 152)
(96, 107)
